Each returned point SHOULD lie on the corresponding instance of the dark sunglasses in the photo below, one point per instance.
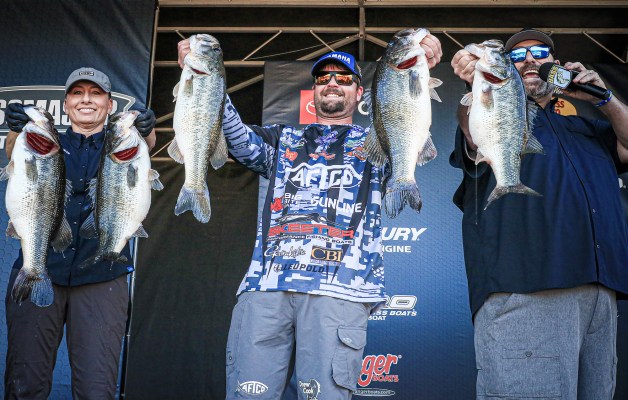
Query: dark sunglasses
(342, 78)
(537, 51)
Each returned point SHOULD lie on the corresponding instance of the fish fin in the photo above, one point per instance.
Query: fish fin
(375, 154)
(31, 169)
(12, 232)
(532, 145)
(428, 152)
(487, 97)
(68, 191)
(531, 112)
(88, 229)
(434, 83)
(92, 190)
(480, 158)
(140, 232)
(155, 183)
(467, 99)
(499, 191)
(7, 171)
(398, 195)
(175, 92)
(195, 201)
(415, 84)
(63, 236)
(219, 156)
(39, 287)
(174, 152)
(131, 175)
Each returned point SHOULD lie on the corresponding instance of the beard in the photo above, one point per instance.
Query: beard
(539, 88)
(330, 107)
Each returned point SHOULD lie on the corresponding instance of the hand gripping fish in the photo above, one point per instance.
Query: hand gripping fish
(35, 200)
(402, 115)
(500, 118)
(121, 194)
(200, 100)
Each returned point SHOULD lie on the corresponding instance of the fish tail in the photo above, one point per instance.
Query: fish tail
(398, 195)
(499, 191)
(38, 287)
(42, 293)
(196, 201)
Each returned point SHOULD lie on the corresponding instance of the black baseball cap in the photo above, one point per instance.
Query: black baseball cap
(529, 34)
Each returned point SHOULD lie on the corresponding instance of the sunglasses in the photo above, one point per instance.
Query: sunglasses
(342, 78)
(537, 51)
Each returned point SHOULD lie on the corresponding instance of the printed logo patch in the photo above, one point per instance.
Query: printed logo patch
(252, 387)
(311, 389)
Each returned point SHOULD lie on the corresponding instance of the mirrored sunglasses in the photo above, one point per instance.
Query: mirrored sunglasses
(342, 78)
(538, 51)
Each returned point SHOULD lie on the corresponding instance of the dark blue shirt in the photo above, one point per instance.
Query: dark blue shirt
(82, 160)
(575, 234)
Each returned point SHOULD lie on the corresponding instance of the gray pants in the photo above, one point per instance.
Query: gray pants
(329, 335)
(95, 318)
(554, 344)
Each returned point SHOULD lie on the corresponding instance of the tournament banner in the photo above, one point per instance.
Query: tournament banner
(43, 42)
(420, 344)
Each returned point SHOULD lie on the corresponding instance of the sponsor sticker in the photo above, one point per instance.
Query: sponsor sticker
(252, 387)
(311, 389)
(378, 368)
(368, 392)
(399, 305)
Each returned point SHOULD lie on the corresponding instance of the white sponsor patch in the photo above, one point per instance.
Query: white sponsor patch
(252, 387)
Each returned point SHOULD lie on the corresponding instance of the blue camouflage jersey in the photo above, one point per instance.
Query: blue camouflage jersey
(320, 229)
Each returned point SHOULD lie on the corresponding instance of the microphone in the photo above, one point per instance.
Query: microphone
(563, 78)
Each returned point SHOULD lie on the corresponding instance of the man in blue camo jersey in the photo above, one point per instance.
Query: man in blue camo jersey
(317, 270)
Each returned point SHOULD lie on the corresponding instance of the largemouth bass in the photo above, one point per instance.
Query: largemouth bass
(500, 118)
(200, 99)
(120, 194)
(35, 200)
(402, 115)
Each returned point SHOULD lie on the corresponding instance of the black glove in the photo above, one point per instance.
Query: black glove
(16, 117)
(145, 122)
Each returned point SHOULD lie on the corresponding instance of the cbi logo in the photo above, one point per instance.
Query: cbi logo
(322, 255)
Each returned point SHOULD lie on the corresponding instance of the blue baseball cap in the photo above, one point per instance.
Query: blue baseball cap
(338, 57)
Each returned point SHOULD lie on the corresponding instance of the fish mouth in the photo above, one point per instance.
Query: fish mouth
(492, 78)
(126, 154)
(409, 63)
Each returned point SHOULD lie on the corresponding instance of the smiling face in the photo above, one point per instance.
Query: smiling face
(529, 70)
(335, 103)
(87, 106)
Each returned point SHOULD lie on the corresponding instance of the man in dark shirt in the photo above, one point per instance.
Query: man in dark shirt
(544, 272)
(92, 301)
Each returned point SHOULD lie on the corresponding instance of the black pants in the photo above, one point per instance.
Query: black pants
(95, 318)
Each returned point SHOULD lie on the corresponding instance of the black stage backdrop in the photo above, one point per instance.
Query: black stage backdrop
(186, 281)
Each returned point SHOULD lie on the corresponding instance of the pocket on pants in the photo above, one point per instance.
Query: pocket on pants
(237, 317)
(347, 360)
(521, 374)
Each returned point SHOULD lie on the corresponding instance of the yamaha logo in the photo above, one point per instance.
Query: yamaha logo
(50, 98)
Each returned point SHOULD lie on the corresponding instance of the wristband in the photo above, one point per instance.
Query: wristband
(608, 98)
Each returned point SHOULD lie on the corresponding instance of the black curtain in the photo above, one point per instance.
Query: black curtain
(186, 282)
